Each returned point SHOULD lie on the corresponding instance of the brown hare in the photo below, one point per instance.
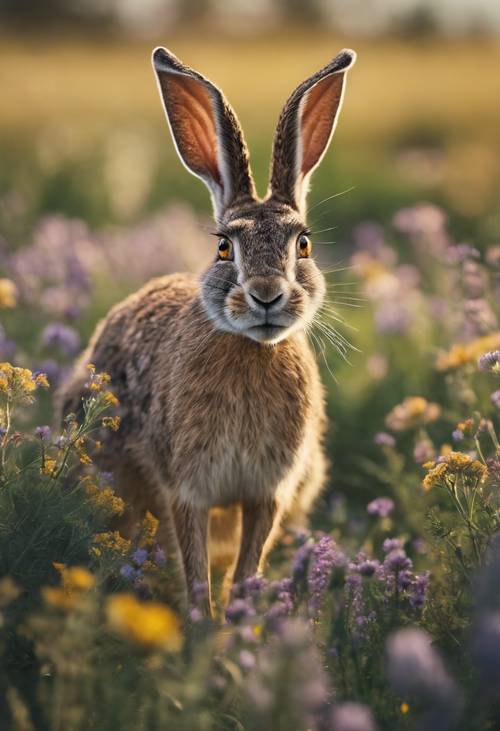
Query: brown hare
(221, 401)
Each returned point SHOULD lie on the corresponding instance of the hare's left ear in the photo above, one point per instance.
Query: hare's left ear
(205, 129)
(305, 129)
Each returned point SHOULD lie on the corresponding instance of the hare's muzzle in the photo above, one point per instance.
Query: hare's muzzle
(266, 294)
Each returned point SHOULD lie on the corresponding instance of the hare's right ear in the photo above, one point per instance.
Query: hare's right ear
(305, 129)
(206, 132)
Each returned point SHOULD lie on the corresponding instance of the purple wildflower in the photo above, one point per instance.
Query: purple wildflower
(391, 544)
(495, 399)
(368, 567)
(247, 660)
(384, 439)
(139, 556)
(486, 647)
(490, 362)
(64, 338)
(457, 435)
(301, 563)
(415, 668)
(397, 561)
(159, 556)
(325, 556)
(129, 572)
(381, 507)
(43, 432)
(238, 610)
(418, 590)
(351, 717)
(423, 451)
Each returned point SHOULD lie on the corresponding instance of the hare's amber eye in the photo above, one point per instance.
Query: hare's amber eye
(225, 249)
(304, 246)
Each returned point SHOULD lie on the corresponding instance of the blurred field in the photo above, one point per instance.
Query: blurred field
(81, 116)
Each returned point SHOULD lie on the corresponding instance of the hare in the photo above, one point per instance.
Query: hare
(221, 400)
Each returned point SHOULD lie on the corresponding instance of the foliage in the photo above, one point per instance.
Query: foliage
(387, 618)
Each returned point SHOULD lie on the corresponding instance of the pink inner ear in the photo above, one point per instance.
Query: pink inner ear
(193, 123)
(318, 117)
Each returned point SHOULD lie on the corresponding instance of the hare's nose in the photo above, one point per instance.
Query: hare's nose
(266, 292)
(264, 303)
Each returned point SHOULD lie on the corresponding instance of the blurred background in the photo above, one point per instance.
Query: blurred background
(93, 200)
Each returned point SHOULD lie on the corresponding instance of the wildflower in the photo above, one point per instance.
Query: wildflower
(139, 556)
(110, 541)
(450, 466)
(415, 669)
(368, 567)
(8, 294)
(159, 556)
(301, 563)
(391, 544)
(247, 660)
(486, 647)
(465, 353)
(381, 507)
(384, 439)
(414, 411)
(490, 362)
(48, 467)
(351, 717)
(9, 591)
(127, 571)
(404, 708)
(325, 556)
(111, 400)
(17, 384)
(111, 422)
(397, 560)
(103, 498)
(149, 624)
(418, 590)
(238, 610)
(43, 432)
(495, 399)
(148, 529)
(41, 379)
(76, 581)
(457, 435)
(423, 451)
(66, 339)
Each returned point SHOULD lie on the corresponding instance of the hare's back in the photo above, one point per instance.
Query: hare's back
(127, 342)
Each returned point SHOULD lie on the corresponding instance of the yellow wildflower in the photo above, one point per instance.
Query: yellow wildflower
(110, 541)
(148, 530)
(76, 581)
(8, 294)
(17, 383)
(404, 708)
(111, 422)
(464, 353)
(413, 412)
(110, 399)
(49, 466)
(42, 380)
(149, 624)
(9, 591)
(453, 464)
(104, 498)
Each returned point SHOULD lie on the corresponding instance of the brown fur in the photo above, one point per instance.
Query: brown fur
(221, 402)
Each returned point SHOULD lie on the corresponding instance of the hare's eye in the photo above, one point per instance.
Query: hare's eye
(304, 246)
(225, 249)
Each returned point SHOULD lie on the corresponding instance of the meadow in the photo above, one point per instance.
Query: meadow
(386, 614)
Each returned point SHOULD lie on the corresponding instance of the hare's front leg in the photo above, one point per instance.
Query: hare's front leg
(192, 533)
(259, 520)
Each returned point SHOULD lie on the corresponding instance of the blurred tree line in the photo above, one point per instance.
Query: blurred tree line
(145, 17)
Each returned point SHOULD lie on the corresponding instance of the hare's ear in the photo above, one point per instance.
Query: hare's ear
(205, 129)
(305, 129)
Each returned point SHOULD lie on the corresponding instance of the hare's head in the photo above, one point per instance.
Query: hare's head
(263, 282)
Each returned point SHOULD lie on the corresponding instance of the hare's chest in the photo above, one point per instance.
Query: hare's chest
(241, 440)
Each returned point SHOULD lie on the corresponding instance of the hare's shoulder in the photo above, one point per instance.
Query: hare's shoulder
(129, 337)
